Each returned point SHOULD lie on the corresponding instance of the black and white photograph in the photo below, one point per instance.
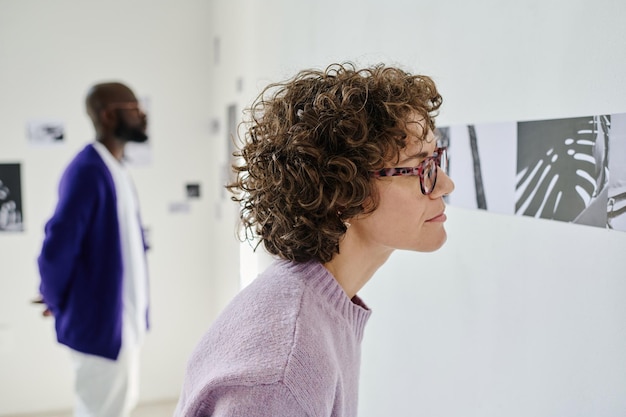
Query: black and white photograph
(11, 219)
(482, 165)
(45, 132)
(193, 190)
(562, 169)
(616, 205)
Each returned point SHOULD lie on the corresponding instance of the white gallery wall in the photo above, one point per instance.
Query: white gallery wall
(514, 316)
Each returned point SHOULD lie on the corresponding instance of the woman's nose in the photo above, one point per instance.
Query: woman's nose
(444, 185)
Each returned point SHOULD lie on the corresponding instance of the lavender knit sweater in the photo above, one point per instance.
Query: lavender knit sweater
(288, 345)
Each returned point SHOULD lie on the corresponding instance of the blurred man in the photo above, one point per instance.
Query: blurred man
(92, 264)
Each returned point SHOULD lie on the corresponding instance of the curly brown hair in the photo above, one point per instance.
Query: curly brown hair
(309, 145)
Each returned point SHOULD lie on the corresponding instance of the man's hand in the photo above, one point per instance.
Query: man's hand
(46, 312)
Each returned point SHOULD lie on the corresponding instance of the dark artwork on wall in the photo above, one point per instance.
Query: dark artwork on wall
(193, 190)
(11, 218)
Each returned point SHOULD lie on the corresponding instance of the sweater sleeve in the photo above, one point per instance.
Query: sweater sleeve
(267, 400)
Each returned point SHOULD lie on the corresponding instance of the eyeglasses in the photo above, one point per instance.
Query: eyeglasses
(426, 170)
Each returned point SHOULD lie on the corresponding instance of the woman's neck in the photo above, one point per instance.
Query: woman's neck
(356, 263)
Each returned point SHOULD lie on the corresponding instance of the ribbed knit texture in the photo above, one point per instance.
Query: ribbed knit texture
(287, 345)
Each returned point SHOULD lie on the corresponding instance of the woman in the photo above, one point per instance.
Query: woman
(340, 168)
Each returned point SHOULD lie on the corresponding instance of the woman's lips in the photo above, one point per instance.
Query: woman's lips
(438, 218)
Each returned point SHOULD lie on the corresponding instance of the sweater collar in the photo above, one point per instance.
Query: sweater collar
(323, 283)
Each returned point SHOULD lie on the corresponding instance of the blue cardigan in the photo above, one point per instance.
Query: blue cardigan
(81, 264)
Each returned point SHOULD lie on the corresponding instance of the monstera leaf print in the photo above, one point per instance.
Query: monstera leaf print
(561, 166)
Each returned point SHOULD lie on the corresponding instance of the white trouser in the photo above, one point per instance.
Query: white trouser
(104, 387)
